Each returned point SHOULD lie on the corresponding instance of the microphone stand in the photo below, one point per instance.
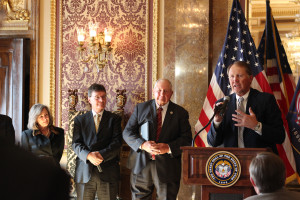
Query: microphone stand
(193, 141)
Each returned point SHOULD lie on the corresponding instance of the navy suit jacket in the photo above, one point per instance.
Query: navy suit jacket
(176, 132)
(107, 142)
(267, 112)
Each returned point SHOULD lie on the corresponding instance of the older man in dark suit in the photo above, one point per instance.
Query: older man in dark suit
(157, 162)
(96, 141)
(252, 120)
(7, 131)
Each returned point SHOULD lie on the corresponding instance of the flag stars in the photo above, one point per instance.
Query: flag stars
(248, 62)
(223, 66)
(228, 86)
(221, 75)
(244, 32)
(229, 37)
(227, 46)
(232, 18)
(249, 52)
(256, 55)
(225, 55)
(233, 58)
(235, 48)
(242, 50)
(238, 21)
(245, 22)
(241, 59)
(239, 11)
(230, 27)
(219, 64)
(237, 39)
(256, 64)
(238, 30)
(250, 43)
(234, 9)
(243, 41)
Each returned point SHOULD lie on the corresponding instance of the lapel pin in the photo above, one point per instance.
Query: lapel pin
(171, 112)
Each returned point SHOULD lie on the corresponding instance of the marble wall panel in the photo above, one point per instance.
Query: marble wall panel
(186, 37)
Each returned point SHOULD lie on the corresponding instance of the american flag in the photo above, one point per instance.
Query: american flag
(238, 46)
(293, 118)
(273, 57)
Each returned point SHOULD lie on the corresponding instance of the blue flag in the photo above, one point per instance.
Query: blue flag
(293, 118)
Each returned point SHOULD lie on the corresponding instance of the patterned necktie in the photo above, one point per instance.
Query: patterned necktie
(159, 123)
(97, 122)
(241, 129)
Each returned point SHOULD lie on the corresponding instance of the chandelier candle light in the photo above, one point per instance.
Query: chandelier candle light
(99, 46)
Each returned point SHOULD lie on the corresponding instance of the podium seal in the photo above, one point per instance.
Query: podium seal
(223, 169)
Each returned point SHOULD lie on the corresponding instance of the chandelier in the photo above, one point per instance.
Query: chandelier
(98, 49)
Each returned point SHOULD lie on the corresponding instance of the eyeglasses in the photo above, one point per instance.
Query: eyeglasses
(99, 97)
(162, 91)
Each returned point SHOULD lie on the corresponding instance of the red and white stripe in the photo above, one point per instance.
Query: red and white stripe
(285, 150)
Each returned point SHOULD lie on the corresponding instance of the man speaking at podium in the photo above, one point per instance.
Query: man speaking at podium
(252, 119)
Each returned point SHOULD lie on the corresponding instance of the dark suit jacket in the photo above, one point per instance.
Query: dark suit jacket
(7, 131)
(176, 132)
(42, 146)
(267, 112)
(107, 142)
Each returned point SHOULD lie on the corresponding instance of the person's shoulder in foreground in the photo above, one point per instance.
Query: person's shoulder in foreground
(282, 194)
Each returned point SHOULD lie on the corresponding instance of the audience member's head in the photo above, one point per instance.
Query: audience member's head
(26, 177)
(7, 131)
(267, 173)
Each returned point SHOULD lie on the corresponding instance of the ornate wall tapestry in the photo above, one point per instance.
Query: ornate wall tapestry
(126, 70)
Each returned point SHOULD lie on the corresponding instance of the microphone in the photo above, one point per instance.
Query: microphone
(218, 109)
(222, 107)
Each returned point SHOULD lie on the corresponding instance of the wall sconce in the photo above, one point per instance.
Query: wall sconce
(99, 46)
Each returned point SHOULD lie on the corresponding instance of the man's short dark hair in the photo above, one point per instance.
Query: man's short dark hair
(241, 64)
(268, 172)
(95, 87)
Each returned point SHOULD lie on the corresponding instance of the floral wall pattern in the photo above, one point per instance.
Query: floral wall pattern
(126, 69)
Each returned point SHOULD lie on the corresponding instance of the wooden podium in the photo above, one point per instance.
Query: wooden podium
(194, 161)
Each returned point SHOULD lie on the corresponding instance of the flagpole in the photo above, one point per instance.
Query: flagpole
(278, 60)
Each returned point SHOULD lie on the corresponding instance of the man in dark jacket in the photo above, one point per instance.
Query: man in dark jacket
(97, 139)
(156, 161)
(252, 119)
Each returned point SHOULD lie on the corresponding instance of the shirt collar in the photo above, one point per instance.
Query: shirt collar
(164, 107)
(94, 113)
(244, 96)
